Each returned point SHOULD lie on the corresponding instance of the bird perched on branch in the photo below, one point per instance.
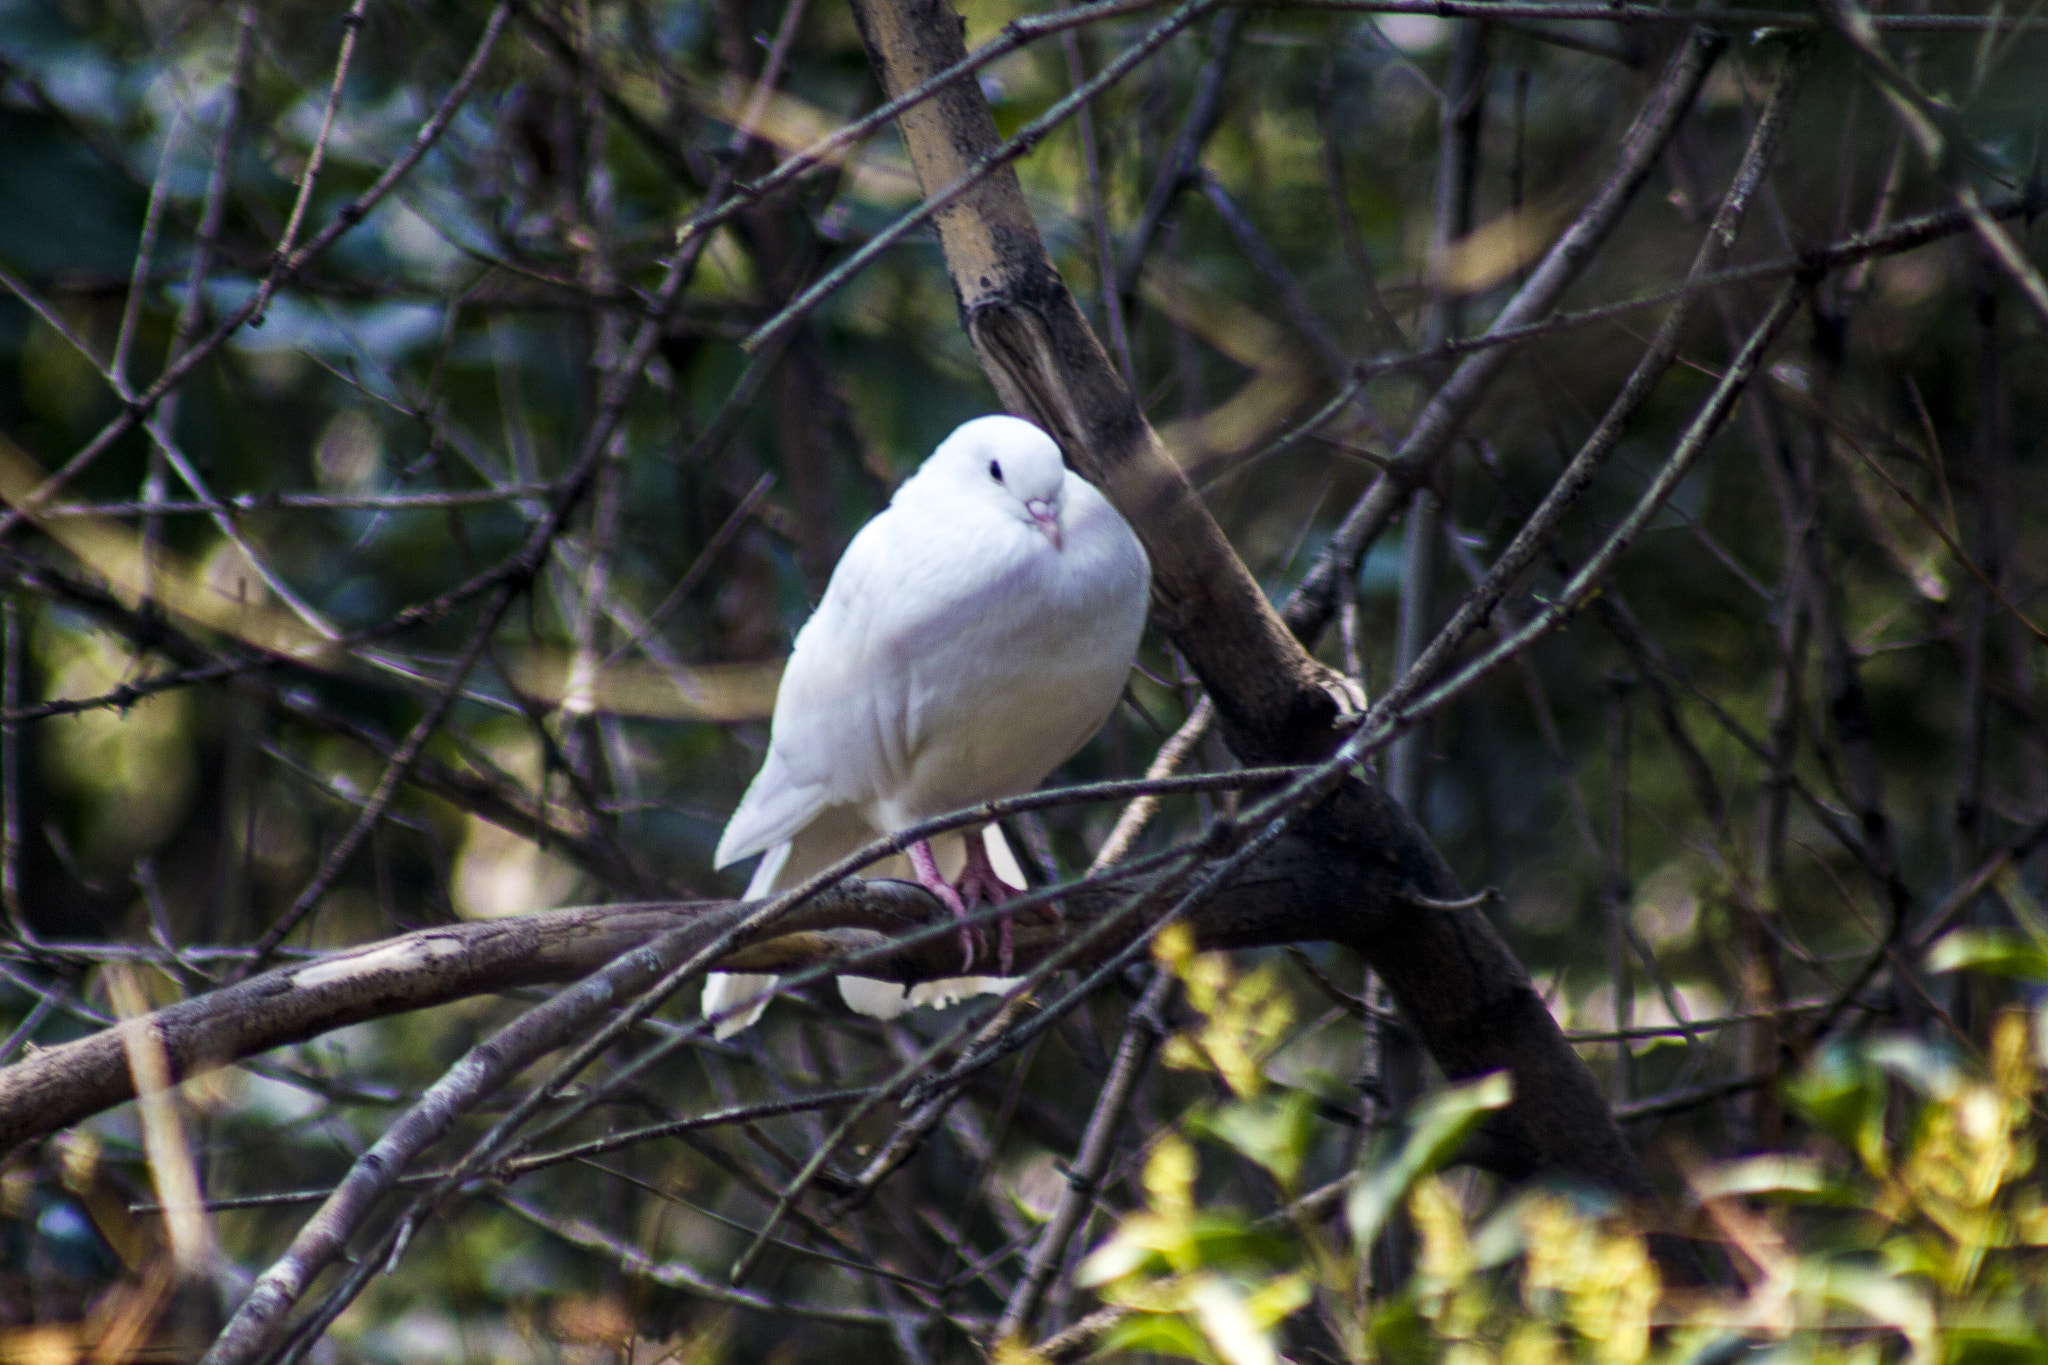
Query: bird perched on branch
(974, 635)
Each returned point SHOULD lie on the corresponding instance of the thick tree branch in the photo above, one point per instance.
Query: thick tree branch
(1037, 348)
(1274, 700)
(1465, 993)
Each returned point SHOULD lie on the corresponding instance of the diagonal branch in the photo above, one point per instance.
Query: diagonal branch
(1448, 411)
(1274, 701)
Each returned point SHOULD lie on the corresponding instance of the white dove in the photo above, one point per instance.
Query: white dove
(973, 637)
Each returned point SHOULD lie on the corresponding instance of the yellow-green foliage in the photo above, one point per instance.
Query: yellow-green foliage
(1243, 1017)
(1909, 1229)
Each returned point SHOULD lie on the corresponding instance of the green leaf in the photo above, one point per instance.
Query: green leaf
(1893, 1302)
(1400, 1334)
(1502, 1234)
(1499, 1237)
(1228, 1323)
(1843, 1095)
(1166, 1334)
(1926, 1255)
(1211, 1241)
(1113, 1260)
(1715, 1348)
(1280, 1297)
(1930, 1069)
(1439, 1126)
(1990, 950)
(1772, 1173)
(1986, 1346)
(1274, 1132)
(1225, 1241)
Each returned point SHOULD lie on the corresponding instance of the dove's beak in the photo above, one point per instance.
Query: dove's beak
(1046, 517)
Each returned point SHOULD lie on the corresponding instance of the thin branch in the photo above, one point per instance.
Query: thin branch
(1312, 603)
(995, 159)
(1183, 159)
(1732, 18)
(1098, 215)
(283, 271)
(1098, 1144)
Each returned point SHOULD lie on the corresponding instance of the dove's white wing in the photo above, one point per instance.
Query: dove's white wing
(786, 799)
(839, 721)
(827, 745)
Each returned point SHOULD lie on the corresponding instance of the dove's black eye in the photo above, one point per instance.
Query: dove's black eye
(995, 470)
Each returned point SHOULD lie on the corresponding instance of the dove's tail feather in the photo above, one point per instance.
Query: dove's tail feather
(723, 990)
(776, 809)
(830, 837)
(875, 999)
(765, 881)
(792, 862)
(889, 999)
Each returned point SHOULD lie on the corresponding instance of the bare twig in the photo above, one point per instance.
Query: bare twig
(1077, 1200)
(1310, 607)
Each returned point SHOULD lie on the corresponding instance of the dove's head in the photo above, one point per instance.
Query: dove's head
(1010, 464)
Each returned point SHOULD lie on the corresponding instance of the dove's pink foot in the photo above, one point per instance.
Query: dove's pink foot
(929, 877)
(979, 882)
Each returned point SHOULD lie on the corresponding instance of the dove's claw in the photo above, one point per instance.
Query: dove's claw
(929, 877)
(979, 882)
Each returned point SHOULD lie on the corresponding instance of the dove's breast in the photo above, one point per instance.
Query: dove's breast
(1022, 667)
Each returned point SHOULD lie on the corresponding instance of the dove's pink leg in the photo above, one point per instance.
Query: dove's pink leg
(928, 877)
(978, 881)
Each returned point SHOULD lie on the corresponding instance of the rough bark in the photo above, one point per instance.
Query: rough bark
(1038, 350)
(1466, 994)
(1464, 991)
(1355, 870)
